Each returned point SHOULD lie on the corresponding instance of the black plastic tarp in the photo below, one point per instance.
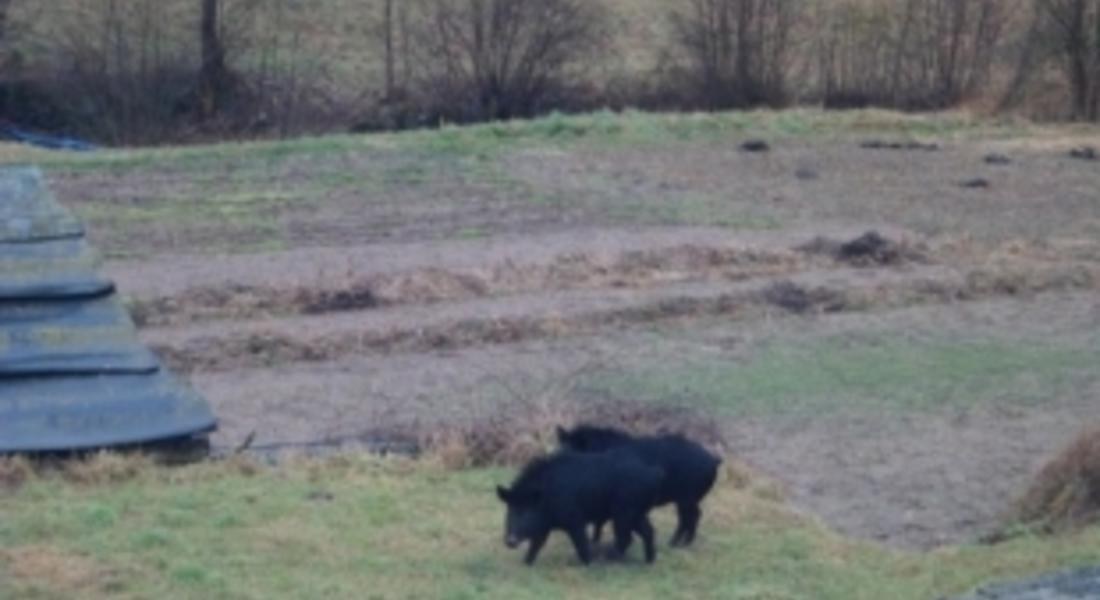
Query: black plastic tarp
(73, 374)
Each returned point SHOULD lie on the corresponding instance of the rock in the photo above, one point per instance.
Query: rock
(978, 183)
(1084, 153)
(755, 146)
(805, 174)
(1079, 584)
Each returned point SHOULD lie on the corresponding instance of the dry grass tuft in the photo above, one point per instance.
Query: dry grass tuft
(15, 471)
(525, 431)
(526, 426)
(513, 436)
(799, 299)
(106, 467)
(1065, 496)
(872, 249)
(64, 573)
(645, 418)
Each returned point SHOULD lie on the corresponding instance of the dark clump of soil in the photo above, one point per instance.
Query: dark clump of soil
(885, 145)
(997, 159)
(797, 299)
(977, 183)
(871, 249)
(806, 174)
(325, 301)
(755, 146)
(1066, 494)
(1084, 153)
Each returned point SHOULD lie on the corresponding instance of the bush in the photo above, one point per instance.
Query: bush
(735, 52)
(499, 59)
(1066, 493)
(1069, 31)
(907, 54)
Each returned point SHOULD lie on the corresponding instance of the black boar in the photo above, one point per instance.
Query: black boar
(569, 490)
(690, 470)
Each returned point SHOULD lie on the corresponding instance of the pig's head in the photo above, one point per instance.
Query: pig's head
(525, 517)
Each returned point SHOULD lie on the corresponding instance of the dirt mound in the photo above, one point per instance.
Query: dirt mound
(573, 271)
(1066, 494)
(801, 299)
(1084, 153)
(890, 145)
(263, 343)
(872, 249)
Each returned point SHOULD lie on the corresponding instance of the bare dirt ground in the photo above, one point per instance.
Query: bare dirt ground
(422, 289)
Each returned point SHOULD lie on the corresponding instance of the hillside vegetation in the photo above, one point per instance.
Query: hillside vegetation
(126, 72)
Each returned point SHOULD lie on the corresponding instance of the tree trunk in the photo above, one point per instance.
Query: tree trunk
(213, 74)
(388, 26)
(4, 6)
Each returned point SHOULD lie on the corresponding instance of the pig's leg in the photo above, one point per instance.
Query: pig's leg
(580, 543)
(535, 546)
(689, 514)
(623, 536)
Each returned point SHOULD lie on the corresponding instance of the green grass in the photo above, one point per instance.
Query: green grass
(254, 189)
(367, 528)
(630, 127)
(886, 372)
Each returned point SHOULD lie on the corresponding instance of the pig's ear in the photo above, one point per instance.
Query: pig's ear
(503, 494)
(563, 435)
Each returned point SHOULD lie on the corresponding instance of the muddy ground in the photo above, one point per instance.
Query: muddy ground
(419, 288)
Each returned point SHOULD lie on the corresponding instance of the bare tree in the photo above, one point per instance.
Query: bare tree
(1073, 28)
(738, 49)
(215, 80)
(5, 8)
(910, 54)
(498, 59)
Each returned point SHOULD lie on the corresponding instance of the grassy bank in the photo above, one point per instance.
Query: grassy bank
(356, 527)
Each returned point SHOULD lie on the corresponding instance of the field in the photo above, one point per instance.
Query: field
(888, 404)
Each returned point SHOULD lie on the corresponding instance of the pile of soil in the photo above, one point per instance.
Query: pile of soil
(872, 249)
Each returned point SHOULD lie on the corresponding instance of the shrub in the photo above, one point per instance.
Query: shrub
(736, 52)
(499, 59)
(1066, 493)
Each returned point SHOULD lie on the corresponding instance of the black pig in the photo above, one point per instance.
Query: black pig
(569, 490)
(690, 470)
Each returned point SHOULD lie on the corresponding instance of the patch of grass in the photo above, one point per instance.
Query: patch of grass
(636, 127)
(395, 529)
(888, 372)
(472, 233)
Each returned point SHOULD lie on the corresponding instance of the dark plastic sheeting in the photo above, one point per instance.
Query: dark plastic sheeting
(59, 268)
(28, 213)
(74, 413)
(74, 337)
(73, 374)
